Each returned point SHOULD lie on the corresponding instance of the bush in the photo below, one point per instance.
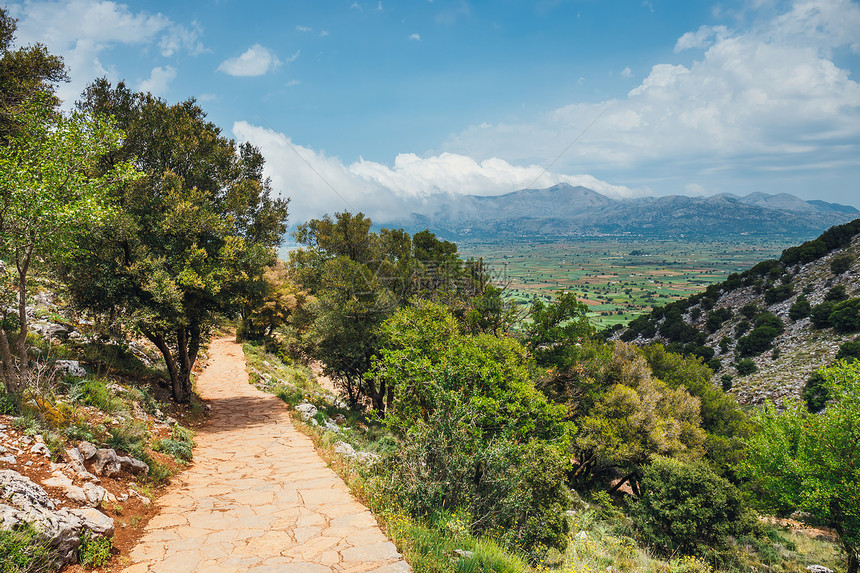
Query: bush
(836, 294)
(815, 393)
(846, 315)
(179, 445)
(749, 310)
(715, 364)
(716, 318)
(757, 341)
(820, 314)
(745, 367)
(800, 308)
(685, 507)
(514, 488)
(778, 294)
(841, 264)
(726, 381)
(850, 351)
(742, 327)
(94, 551)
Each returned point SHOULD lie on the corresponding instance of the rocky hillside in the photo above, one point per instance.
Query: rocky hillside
(765, 331)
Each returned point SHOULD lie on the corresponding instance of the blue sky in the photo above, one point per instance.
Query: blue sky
(380, 106)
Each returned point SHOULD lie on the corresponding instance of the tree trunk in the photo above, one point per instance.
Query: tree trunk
(10, 378)
(624, 480)
(169, 361)
(23, 359)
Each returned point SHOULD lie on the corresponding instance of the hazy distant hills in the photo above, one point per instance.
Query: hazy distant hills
(564, 210)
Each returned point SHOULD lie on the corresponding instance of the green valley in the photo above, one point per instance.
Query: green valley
(620, 278)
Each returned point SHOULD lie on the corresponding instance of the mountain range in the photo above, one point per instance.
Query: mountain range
(565, 210)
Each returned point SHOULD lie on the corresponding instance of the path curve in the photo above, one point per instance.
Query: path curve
(258, 497)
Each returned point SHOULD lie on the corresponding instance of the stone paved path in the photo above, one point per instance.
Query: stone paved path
(258, 498)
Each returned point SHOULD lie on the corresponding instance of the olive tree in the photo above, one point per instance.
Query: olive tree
(189, 240)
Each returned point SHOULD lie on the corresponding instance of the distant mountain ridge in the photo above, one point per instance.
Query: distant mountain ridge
(565, 210)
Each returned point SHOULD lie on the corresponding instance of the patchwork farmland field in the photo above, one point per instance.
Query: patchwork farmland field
(619, 278)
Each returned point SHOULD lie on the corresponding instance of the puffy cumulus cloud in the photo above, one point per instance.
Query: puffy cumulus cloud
(80, 30)
(770, 95)
(158, 80)
(255, 61)
(318, 184)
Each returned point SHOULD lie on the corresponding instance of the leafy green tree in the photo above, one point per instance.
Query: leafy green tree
(725, 422)
(555, 326)
(811, 462)
(639, 417)
(48, 189)
(188, 240)
(349, 311)
(476, 433)
(28, 73)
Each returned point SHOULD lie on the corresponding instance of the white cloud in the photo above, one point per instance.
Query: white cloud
(415, 37)
(758, 97)
(304, 29)
(318, 184)
(627, 72)
(80, 30)
(179, 38)
(158, 80)
(701, 38)
(255, 61)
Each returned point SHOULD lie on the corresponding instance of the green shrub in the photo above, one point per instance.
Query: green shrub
(94, 551)
(815, 393)
(179, 445)
(800, 308)
(716, 318)
(129, 438)
(778, 294)
(685, 507)
(726, 381)
(9, 404)
(849, 351)
(749, 310)
(757, 341)
(742, 327)
(846, 315)
(715, 364)
(23, 551)
(515, 489)
(820, 314)
(836, 294)
(95, 393)
(841, 264)
(745, 367)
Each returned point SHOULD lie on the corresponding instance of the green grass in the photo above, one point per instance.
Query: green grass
(23, 551)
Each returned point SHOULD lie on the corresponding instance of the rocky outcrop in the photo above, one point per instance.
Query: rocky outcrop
(107, 463)
(23, 501)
